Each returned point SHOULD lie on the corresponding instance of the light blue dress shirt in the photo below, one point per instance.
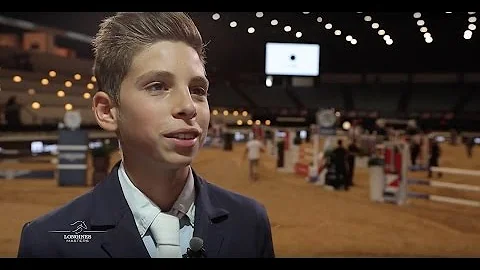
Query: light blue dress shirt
(144, 210)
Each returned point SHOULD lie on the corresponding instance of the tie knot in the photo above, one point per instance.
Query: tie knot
(166, 232)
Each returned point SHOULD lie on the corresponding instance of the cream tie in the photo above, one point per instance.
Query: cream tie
(166, 231)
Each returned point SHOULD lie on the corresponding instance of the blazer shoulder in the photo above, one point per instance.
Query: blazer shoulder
(35, 234)
(234, 200)
(78, 207)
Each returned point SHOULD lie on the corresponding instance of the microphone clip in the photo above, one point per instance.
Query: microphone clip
(195, 254)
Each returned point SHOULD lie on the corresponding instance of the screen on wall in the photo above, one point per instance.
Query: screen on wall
(292, 59)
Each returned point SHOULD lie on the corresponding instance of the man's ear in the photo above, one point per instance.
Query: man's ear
(105, 111)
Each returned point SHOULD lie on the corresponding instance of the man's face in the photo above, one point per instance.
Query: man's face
(163, 114)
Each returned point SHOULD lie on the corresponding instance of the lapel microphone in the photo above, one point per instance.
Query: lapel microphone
(196, 249)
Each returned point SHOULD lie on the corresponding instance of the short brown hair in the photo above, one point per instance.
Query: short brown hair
(123, 35)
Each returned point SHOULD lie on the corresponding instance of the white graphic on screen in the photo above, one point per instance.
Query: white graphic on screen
(292, 59)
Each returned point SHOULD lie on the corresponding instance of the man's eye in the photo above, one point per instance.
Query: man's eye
(200, 91)
(157, 86)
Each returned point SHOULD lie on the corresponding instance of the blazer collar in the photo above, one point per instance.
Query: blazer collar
(209, 217)
(111, 213)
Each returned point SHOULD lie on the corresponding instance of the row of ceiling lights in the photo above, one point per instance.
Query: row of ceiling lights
(375, 25)
(240, 121)
(226, 113)
(423, 28)
(36, 105)
(250, 122)
(472, 19)
(467, 34)
(53, 74)
(60, 93)
(337, 32)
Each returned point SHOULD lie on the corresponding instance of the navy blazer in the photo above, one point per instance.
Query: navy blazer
(100, 224)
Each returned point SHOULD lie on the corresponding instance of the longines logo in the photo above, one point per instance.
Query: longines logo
(79, 233)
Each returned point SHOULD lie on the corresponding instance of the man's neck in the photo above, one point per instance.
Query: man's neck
(162, 186)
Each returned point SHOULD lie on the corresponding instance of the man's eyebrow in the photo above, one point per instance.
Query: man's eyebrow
(201, 79)
(153, 74)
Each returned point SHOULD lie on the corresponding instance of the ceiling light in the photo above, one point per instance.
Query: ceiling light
(467, 34)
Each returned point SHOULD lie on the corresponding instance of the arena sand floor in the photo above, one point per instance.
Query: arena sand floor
(306, 220)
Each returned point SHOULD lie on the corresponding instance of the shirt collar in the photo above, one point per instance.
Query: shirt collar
(144, 210)
(184, 203)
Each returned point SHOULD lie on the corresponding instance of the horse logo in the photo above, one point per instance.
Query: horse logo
(80, 226)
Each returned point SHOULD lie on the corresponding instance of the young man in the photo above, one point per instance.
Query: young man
(252, 152)
(153, 94)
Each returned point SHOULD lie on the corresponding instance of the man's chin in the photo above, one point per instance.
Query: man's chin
(177, 160)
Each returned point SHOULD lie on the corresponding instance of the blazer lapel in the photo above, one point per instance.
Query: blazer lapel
(124, 241)
(112, 214)
(208, 218)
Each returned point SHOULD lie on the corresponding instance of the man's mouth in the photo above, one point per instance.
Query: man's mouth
(182, 136)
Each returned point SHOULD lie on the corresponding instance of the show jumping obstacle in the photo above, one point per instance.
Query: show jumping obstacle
(396, 188)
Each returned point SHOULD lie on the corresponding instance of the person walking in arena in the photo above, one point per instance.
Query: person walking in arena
(339, 158)
(150, 70)
(435, 153)
(253, 149)
(353, 151)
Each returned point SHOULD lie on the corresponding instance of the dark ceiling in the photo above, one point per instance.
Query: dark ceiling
(234, 50)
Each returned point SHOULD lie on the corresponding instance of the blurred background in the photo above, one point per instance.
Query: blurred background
(388, 83)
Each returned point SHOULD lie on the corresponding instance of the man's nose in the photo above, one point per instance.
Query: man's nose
(184, 107)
